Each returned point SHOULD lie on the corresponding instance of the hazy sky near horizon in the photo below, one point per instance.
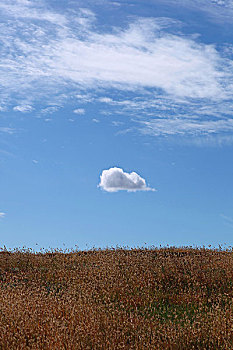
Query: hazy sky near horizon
(116, 123)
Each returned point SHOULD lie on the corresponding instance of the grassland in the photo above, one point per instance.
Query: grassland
(167, 298)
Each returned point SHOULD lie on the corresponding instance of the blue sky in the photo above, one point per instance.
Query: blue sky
(116, 123)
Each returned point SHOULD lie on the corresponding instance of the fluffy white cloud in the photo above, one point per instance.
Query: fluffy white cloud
(115, 179)
(2, 215)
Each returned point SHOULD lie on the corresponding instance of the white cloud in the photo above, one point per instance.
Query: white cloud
(50, 110)
(95, 120)
(117, 123)
(23, 108)
(106, 100)
(219, 9)
(177, 65)
(7, 130)
(115, 179)
(228, 221)
(143, 55)
(23, 9)
(182, 126)
(79, 111)
(85, 98)
(225, 3)
(46, 55)
(227, 218)
(2, 215)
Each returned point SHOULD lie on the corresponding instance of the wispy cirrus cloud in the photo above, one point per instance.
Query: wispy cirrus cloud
(176, 83)
(210, 6)
(227, 220)
(50, 110)
(223, 3)
(177, 65)
(7, 130)
(181, 126)
(23, 108)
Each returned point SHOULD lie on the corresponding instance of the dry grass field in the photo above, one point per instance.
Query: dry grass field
(167, 298)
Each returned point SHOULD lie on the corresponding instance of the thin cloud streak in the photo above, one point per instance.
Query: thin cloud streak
(23, 108)
(7, 130)
(180, 126)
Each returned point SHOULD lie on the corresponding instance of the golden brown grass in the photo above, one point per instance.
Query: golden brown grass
(168, 298)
